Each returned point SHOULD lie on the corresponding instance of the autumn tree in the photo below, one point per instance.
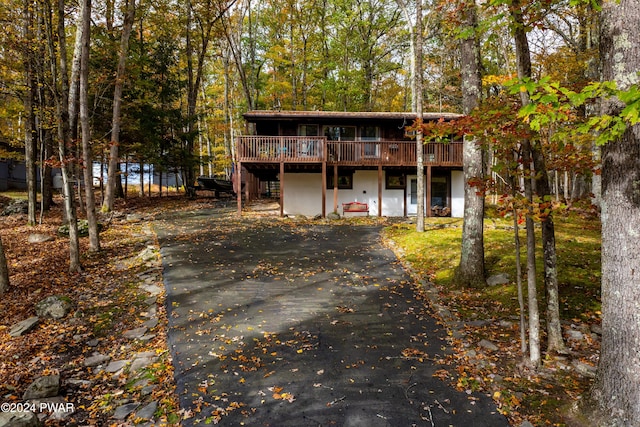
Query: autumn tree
(616, 391)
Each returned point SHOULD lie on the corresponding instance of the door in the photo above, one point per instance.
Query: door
(412, 195)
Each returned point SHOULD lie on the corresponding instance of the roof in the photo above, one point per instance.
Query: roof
(367, 115)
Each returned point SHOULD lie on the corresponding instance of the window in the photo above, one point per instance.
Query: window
(345, 181)
(340, 133)
(369, 133)
(308, 130)
(395, 181)
(439, 191)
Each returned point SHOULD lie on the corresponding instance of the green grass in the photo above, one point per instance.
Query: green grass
(435, 254)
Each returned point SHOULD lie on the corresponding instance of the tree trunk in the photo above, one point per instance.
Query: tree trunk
(554, 328)
(87, 155)
(523, 60)
(532, 295)
(470, 271)
(4, 271)
(30, 138)
(616, 390)
(419, 144)
(114, 165)
(61, 94)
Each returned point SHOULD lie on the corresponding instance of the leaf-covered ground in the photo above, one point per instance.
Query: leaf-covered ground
(107, 300)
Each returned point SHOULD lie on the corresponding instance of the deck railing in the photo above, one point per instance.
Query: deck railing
(305, 149)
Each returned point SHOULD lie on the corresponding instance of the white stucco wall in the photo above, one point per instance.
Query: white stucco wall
(457, 194)
(303, 195)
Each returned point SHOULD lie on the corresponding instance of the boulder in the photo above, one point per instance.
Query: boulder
(124, 411)
(135, 333)
(19, 419)
(23, 327)
(16, 207)
(46, 386)
(488, 345)
(146, 413)
(54, 306)
(40, 238)
(96, 360)
(498, 279)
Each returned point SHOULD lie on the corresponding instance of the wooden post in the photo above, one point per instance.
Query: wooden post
(428, 207)
(281, 188)
(379, 190)
(247, 188)
(238, 186)
(335, 188)
(324, 189)
(404, 200)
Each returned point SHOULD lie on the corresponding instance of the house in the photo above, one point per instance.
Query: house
(320, 161)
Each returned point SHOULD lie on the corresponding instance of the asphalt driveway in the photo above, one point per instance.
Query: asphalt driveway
(278, 323)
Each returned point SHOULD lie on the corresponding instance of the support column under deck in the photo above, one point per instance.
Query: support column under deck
(379, 190)
(238, 186)
(281, 188)
(324, 189)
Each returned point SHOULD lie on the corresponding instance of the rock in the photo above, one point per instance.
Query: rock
(47, 386)
(116, 365)
(488, 345)
(141, 363)
(151, 323)
(505, 324)
(333, 216)
(147, 412)
(135, 333)
(16, 207)
(54, 306)
(123, 411)
(93, 343)
(478, 323)
(152, 289)
(96, 359)
(148, 254)
(584, 369)
(526, 424)
(40, 238)
(152, 300)
(150, 313)
(57, 406)
(79, 382)
(133, 217)
(23, 327)
(147, 390)
(498, 279)
(19, 419)
(573, 335)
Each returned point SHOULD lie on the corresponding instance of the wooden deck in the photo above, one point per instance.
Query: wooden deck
(305, 149)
